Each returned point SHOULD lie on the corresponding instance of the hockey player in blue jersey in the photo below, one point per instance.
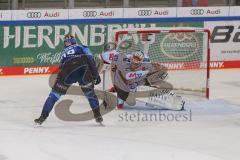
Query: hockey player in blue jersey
(77, 65)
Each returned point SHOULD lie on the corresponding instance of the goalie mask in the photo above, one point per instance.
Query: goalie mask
(69, 40)
(137, 57)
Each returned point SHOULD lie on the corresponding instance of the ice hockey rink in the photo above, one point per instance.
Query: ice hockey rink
(212, 133)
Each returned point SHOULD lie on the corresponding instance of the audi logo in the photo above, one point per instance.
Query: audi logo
(144, 12)
(197, 12)
(34, 14)
(89, 13)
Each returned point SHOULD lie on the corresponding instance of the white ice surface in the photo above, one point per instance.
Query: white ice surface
(213, 133)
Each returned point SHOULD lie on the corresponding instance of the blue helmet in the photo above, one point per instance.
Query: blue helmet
(69, 39)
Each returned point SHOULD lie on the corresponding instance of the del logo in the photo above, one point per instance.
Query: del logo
(1, 71)
(134, 75)
(36, 70)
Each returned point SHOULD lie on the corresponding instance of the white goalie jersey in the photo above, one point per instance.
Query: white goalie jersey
(124, 77)
(127, 79)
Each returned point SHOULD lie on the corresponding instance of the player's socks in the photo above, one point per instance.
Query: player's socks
(97, 115)
(120, 103)
(48, 105)
(120, 106)
(51, 100)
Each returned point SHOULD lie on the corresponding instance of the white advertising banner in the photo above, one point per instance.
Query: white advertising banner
(202, 11)
(150, 12)
(49, 14)
(95, 13)
(109, 13)
(5, 15)
(234, 11)
(225, 40)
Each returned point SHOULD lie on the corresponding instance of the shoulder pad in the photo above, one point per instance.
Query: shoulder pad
(109, 56)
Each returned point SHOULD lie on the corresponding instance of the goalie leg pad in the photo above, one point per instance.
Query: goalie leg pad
(170, 101)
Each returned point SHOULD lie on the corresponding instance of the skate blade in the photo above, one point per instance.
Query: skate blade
(37, 125)
(101, 124)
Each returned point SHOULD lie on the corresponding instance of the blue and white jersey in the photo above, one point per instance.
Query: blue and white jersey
(74, 51)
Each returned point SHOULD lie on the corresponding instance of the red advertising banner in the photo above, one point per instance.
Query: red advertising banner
(8, 71)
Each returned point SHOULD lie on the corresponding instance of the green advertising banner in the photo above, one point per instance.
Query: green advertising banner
(41, 45)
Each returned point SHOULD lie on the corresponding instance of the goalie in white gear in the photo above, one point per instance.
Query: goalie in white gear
(133, 70)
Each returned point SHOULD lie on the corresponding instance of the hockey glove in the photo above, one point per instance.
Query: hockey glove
(97, 80)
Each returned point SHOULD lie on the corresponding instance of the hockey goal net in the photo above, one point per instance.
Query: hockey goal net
(183, 51)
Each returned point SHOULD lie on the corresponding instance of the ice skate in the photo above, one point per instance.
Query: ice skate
(97, 115)
(40, 120)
